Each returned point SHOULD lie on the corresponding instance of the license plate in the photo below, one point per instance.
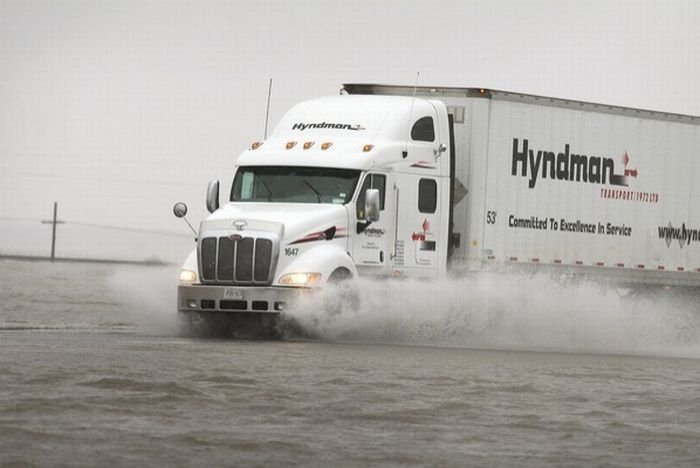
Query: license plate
(233, 293)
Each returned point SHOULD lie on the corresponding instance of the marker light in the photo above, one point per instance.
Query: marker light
(291, 144)
(326, 145)
(256, 145)
(308, 144)
(188, 276)
(300, 279)
(367, 148)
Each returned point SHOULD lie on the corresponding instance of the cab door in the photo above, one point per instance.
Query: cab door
(422, 198)
(419, 227)
(373, 240)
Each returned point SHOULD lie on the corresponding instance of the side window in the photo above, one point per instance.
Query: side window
(377, 181)
(427, 196)
(423, 130)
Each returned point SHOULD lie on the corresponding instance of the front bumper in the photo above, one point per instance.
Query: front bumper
(197, 297)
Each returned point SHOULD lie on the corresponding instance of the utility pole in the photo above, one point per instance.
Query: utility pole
(53, 235)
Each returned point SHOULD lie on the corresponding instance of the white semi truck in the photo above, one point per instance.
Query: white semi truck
(395, 181)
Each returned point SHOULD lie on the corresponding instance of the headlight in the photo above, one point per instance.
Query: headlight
(300, 279)
(188, 276)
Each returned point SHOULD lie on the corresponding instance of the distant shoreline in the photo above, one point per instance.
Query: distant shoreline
(34, 258)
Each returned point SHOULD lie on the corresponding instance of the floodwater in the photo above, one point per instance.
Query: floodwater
(514, 372)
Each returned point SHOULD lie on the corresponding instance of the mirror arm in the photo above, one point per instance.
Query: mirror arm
(180, 211)
(193, 229)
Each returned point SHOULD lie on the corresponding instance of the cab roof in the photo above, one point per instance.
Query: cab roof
(358, 128)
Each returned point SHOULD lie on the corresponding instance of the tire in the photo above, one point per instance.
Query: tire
(344, 294)
(340, 275)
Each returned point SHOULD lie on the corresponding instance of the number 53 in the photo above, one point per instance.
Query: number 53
(490, 217)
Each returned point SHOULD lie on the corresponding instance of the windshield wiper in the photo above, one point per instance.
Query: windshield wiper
(267, 187)
(318, 194)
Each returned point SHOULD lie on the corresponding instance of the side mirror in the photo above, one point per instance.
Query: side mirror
(372, 203)
(213, 196)
(180, 210)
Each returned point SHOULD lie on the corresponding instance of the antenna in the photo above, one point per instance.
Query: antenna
(415, 88)
(410, 113)
(267, 113)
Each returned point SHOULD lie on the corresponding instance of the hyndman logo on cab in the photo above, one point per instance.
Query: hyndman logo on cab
(303, 126)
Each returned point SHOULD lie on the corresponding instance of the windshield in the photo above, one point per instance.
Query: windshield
(294, 184)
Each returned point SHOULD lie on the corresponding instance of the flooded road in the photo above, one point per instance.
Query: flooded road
(93, 372)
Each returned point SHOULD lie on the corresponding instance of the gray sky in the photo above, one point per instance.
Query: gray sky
(118, 109)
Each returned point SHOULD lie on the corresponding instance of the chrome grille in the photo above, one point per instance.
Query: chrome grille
(238, 260)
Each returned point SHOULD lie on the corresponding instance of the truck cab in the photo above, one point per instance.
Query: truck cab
(345, 186)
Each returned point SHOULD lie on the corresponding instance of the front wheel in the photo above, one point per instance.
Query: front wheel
(342, 294)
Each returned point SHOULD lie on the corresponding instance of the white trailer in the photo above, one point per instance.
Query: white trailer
(397, 181)
(600, 189)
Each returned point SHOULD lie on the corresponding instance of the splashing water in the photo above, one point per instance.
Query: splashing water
(501, 311)
(506, 311)
(148, 295)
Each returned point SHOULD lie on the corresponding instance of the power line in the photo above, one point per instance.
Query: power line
(129, 229)
(7, 218)
(103, 226)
